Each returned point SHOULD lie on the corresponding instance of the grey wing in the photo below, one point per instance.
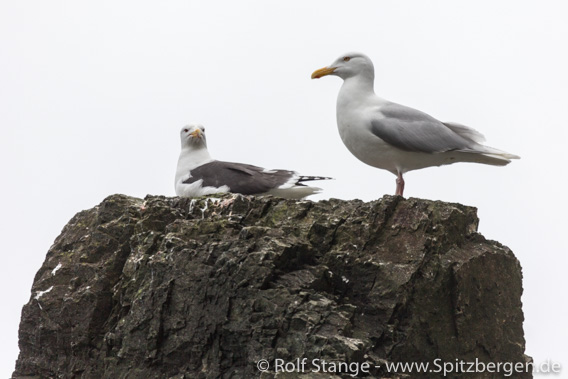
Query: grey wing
(412, 130)
(239, 177)
(255, 180)
(466, 132)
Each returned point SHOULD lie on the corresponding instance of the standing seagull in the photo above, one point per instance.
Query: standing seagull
(198, 174)
(394, 137)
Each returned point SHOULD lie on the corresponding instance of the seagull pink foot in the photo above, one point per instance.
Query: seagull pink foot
(399, 184)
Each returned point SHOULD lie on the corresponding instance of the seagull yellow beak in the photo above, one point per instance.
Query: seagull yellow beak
(323, 72)
(197, 133)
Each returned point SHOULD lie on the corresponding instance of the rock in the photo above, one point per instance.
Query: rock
(208, 287)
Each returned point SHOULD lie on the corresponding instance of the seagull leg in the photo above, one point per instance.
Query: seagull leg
(399, 184)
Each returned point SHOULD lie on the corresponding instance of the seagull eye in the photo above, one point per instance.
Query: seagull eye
(346, 59)
(203, 130)
(186, 130)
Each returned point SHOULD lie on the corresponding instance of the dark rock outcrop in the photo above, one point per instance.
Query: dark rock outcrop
(206, 288)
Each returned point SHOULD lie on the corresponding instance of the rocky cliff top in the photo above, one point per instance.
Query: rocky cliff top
(207, 288)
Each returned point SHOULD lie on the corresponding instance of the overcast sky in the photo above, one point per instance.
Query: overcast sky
(93, 96)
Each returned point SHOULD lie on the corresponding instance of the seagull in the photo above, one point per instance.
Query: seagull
(395, 137)
(198, 174)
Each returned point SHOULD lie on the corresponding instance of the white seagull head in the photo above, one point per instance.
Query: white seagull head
(193, 136)
(347, 66)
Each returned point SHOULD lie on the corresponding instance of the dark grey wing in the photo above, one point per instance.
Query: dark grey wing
(239, 177)
(412, 130)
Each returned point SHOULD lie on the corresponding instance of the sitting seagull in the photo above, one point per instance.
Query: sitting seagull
(198, 174)
(394, 137)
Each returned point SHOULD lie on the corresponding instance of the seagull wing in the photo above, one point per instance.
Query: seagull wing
(412, 130)
(239, 177)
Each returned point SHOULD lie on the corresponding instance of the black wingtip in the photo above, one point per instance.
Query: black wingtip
(310, 178)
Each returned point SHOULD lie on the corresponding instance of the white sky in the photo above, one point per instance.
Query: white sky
(93, 96)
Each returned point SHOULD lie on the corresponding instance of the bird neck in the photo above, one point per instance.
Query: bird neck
(191, 157)
(364, 81)
(356, 89)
